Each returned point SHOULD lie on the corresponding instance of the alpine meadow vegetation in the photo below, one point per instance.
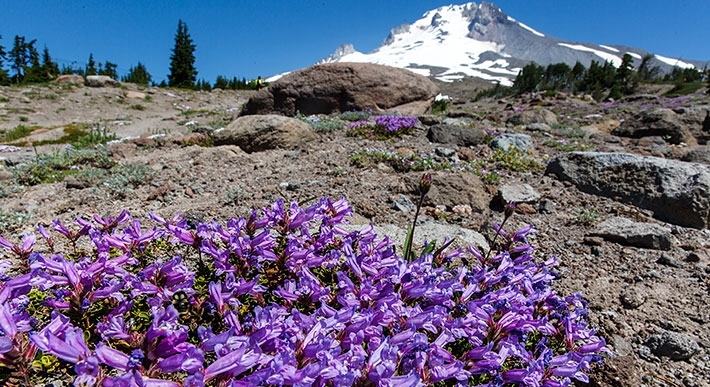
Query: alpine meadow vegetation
(285, 296)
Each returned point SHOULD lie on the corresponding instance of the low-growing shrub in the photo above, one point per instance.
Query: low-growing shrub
(123, 178)
(566, 145)
(515, 160)
(16, 133)
(587, 216)
(355, 115)
(285, 296)
(53, 167)
(322, 124)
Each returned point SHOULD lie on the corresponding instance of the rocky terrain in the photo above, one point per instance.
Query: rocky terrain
(627, 219)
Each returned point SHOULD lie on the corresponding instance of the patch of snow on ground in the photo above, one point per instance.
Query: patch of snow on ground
(608, 48)
(615, 60)
(674, 62)
(531, 29)
(634, 55)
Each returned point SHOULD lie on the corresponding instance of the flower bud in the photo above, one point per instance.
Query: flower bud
(509, 209)
(424, 184)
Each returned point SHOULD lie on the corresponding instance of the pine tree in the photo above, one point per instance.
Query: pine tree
(647, 73)
(3, 75)
(138, 75)
(20, 57)
(529, 78)
(34, 72)
(90, 66)
(109, 69)
(221, 83)
(182, 60)
(49, 67)
(626, 78)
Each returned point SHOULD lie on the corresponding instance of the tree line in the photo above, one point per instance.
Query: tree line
(27, 66)
(604, 80)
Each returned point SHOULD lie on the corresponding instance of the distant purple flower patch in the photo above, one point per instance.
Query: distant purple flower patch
(395, 123)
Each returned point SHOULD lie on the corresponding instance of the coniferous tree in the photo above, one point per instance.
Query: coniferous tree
(626, 78)
(20, 57)
(138, 75)
(557, 76)
(182, 60)
(108, 69)
(3, 75)
(529, 78)
(34, 72)
(221, 83)
(645, 72)
(49, 67)
(91, 66)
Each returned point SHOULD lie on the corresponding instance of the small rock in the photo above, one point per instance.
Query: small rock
(546, 206)
(518, 193)
(631, 298)
(506, 141)
(668, 260)
(698, 256)
(538, 127)
(674, 345)
(72, 182)
(402, 203)
(467, 154)
(525, 209)
(445, 152)
(135, 94)
(593, 241)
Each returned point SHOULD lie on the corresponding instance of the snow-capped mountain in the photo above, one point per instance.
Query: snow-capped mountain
(480, 40)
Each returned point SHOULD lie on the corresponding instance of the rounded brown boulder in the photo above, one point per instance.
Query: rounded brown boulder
(340, 87)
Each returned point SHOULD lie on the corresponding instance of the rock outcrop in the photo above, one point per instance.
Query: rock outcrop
(70, 79)
(662, 122)
(677, 192)
(339, 87)
(100, 81)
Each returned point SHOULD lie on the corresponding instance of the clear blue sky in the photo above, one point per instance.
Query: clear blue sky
(248, 38)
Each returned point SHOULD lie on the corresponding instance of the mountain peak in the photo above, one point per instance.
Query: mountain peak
(479, 40)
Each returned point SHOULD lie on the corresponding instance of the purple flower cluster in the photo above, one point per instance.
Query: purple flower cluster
(359, 124)
(395, 123)
(285, 297)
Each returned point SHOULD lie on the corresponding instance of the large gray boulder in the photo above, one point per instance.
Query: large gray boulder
(664, 123)
(264, 132)
(340, 87)
(677, 192)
